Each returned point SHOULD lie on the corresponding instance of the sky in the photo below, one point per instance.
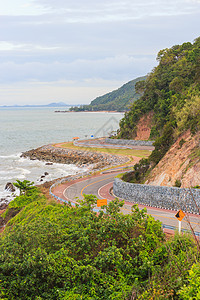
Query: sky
(73, 51)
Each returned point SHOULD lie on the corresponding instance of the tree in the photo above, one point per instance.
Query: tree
(23, 186)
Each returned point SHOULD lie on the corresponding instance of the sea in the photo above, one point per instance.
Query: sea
(22, 129)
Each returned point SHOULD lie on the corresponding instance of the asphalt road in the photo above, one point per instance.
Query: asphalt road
(100, 186)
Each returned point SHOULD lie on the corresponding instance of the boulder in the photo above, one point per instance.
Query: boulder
(3, 206)
(10, 187)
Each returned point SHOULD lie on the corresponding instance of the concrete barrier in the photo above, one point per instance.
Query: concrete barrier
(128, 142)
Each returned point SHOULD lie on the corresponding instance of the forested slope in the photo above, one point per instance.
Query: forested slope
(118, 100)
(171, 93)
(170, 90)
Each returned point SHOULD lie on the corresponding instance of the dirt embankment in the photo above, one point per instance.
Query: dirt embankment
(180, 165)
(144, 127)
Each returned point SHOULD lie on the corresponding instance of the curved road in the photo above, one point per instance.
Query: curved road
(100, 185)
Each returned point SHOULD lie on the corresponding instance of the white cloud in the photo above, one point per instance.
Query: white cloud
(107, 68)
(21, 7)
(117, 10)
(45, 92)
(87, 42)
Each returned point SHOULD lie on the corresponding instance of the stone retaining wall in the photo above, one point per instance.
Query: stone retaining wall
(128, 142)
(158, 196)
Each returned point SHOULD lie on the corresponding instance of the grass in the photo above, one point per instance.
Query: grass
(125, 152)
(195, 153)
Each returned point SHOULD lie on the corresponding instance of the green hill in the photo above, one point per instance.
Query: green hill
(171, 93)
(119, 99)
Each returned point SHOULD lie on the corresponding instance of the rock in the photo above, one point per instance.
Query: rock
(10, 187)
(51, 154)
(43, 176)
(3, 206)
(46, 173)
(49, 164)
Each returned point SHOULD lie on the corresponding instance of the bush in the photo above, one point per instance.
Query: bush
(52, 249)
(191, 290)
(182, 142)
(177, 183)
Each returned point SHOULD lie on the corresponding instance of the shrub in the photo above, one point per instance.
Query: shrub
(177, 183)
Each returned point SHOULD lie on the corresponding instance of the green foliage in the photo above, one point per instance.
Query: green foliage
(196, 187)
(24, 186)
(178, 183)
(162, 144)
(189, 116)
(171, 91)
(191, 290)
(119, 99)
(32, 194)
(181, 143)
(53, 251)
(139, 173)
(170, 274)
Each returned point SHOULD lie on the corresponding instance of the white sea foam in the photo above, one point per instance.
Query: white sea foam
(15, 156)
(23, 171)
(14, 167)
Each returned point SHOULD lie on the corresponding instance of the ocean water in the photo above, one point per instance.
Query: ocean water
(23, 129)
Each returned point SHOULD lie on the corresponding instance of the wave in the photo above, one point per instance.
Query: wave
(3, 178)
(17, 155)
(23, 171)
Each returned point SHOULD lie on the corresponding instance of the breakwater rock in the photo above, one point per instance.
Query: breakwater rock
(53, 154)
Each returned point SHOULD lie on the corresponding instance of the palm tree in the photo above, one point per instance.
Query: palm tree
(23, 186)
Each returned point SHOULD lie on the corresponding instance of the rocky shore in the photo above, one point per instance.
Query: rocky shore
(52, 154)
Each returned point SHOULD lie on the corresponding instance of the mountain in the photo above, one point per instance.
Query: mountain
(117, 100)
(171, 104)
(54, 104)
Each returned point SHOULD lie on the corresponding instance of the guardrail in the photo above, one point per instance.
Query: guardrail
(73, 177)
(175, 228)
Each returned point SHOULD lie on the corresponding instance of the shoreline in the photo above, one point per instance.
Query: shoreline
(89, 111)
(94, 162)
(81, 158)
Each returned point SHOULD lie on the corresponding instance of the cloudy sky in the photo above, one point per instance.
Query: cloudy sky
(76, 50)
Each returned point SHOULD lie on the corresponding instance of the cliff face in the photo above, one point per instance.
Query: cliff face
(181, 164)
(144, 127)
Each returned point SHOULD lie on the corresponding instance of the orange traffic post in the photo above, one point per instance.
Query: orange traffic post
(101, 202)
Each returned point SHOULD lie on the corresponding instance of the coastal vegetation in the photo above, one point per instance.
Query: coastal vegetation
(171, 93)
(54, 251)
(118, 100)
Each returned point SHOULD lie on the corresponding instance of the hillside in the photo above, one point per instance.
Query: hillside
(117, 100)
(51, 251)
(181, 164)
(171, 96)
